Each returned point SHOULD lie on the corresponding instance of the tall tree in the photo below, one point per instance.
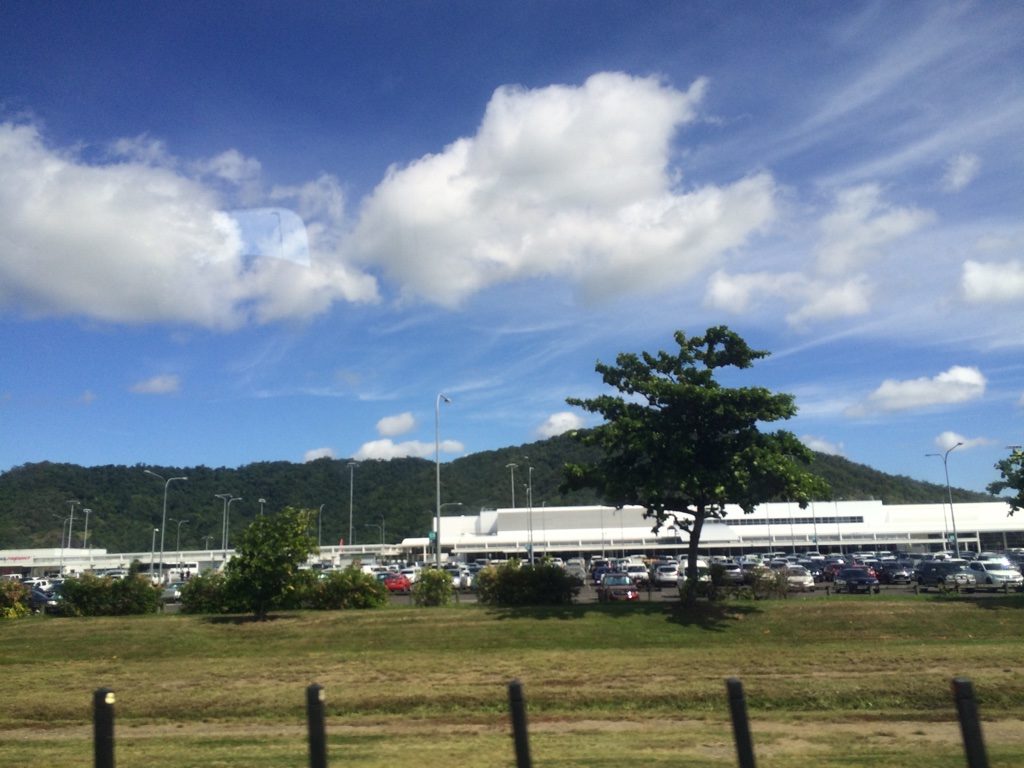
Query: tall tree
(1012, 471)
(681, 445)
(271, 550)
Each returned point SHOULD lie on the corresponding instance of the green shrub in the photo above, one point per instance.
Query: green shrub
(513, 584)
(207, 593)
(13, 599)
(89, 595)
(350, 588)
(432, 588)
(769, 583)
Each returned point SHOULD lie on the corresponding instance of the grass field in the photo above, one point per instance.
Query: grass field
(843, 681)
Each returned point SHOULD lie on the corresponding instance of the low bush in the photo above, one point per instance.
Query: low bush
(432, 588)
(514, 584)
(89, 595)
(349, 588)
(207, 593)
(13, 599)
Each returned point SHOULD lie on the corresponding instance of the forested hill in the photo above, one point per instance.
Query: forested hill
(399, 495)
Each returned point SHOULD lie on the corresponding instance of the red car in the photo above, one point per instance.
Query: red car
(617, 586)
(397, 582)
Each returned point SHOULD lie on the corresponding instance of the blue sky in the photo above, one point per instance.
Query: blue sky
(234, 233)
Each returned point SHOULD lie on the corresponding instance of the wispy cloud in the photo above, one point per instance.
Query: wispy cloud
(163, 384)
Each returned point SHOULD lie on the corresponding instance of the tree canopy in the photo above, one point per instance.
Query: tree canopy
(270, 552)
(1011, 469)
(675, 440)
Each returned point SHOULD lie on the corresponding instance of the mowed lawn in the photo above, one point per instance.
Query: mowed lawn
(840, 681)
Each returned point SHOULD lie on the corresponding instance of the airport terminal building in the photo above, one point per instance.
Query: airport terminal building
(585, 531)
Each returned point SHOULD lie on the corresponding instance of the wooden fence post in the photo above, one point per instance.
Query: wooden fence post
(317, 730)
(103, 727)
(517, 706)
(970, 725)
(740, 723)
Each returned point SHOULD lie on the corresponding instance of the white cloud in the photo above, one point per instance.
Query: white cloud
(559, 181)
(131, 242)
(392, 426)
(821, 445)
(231, 166)
(559, 423)
(988, 282)
(947, 440)
(164, 384)
(88, 397)
(317, 453)
(957, 385)
(819, 299)
(960, 171)
(860, 225)
(388, 449)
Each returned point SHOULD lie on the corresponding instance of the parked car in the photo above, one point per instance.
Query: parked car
(172, 592)
(46, 601)
(617, 586)
(396, 582)
(946, 574)
(639, 574)
(855, 580)
(666, 575)
(896, 573)
(799, 579)
(732, 574)
(994, 575)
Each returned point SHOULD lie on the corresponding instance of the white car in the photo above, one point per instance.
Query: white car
(666, 575)
(799, 579)
(994, 575)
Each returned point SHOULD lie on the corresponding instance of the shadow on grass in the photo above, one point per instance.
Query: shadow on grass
(714, 617)
(249, 618)
(987, 600)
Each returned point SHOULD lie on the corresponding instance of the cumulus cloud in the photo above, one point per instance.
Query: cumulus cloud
(559, 423)
(317, 453)
(947, 440)
(1000, 281)
(861, 225)
(136, 241)
(559, 181)
(821, 445)
(388, 449)
(231, 166)
(960, 171)
(957, 385)
(392, 426)
(818, 299)
(164, 384)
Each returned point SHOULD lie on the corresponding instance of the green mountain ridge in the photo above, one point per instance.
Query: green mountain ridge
(397, 495)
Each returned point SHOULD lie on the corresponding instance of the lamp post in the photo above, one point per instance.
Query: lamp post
(437, 472)
(71, 519)
(949, 493)
(85, 536)
(379, 528)
(63, 522)
(152, 550)
(351, 488)
(163, 524)
(177, 540)
(228, 498)
(512, 469)
(262, 502)
(319, 526)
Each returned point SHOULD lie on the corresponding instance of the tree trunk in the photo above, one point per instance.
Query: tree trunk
(691, 556)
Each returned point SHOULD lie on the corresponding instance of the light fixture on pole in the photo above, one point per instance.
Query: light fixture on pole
(177, 540)
(85, 536)
(529, 499)
(351, 487)
(319, 526)
(152, 550)
(262, 502)
(437, 474)
(512, 470)
(71, 522)
(949, 493)
(63, 522)
(224, 528)
(163, 524)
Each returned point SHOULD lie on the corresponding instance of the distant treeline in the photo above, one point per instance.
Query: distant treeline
(398, 495)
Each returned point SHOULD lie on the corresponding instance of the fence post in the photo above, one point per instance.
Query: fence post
(970, 725)
(740, 723)
(103, 727)
(517, 706)
(315, 721)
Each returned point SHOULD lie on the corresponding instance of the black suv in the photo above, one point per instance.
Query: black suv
(946, 574)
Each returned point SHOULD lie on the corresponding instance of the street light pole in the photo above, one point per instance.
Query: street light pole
(319, 527)
(262, 502)
(71, 523)
(351, 495)
(949, 493)
(152, 550)
(437, 473)
(529, 499)
(512, 470)
(85, 536)
(163, 524)
(177, 540)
